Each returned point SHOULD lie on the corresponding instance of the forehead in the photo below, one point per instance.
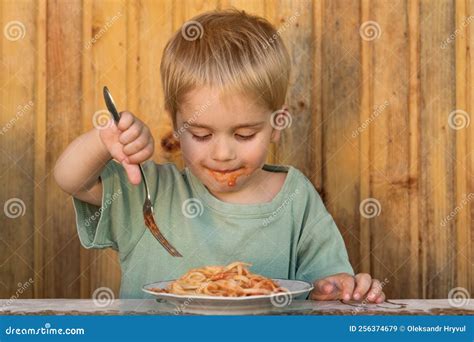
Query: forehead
(217, 109)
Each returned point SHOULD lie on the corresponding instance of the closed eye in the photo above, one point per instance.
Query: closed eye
(245, 137)
(202, 137)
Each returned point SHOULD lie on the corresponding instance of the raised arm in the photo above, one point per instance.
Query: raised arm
(78, 168)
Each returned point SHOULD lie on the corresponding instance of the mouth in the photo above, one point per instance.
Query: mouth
(228, 176)
(223, 171)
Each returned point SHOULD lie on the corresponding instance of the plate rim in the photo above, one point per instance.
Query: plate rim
(221, 298)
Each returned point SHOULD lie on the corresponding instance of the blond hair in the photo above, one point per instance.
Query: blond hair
(228, 50)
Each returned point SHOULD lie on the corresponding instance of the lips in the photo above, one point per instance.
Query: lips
(228, 176)
(224, 171)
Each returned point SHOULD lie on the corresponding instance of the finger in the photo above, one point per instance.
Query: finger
(380, 299)
(116, 150)
(136, 145)
(375, 290)
(126, 120)
(133, 172)
(347, 286)
(130, 134)
(363, 282)
(323, 290)
(142, 155)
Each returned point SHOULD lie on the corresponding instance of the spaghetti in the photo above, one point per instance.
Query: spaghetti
(233, 280)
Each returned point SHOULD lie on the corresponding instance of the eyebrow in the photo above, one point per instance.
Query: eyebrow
(246, 125)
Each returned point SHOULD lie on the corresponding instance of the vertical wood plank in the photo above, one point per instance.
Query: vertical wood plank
(469, 158)
(41, 217)
(437, 147)
(363, 136)
(414, 127)
(86, 256)
(341, 98)
(390, 157)
(17, 152)
(461, 196)
(63, 104)
(316, 134)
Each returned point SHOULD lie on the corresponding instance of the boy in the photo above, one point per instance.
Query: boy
(223, 84)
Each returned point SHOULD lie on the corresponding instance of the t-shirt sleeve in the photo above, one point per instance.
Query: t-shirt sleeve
(320, 250)
(111, 224)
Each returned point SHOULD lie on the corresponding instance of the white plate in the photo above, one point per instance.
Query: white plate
(232, 305)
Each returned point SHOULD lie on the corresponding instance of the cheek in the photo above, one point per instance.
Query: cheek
(255, 151)
(191, 150)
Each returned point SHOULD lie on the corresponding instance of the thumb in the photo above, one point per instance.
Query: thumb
(133, 172)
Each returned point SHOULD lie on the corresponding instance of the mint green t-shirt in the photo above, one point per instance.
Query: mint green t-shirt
(291, 237)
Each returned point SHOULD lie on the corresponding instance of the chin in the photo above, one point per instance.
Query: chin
(222, 187)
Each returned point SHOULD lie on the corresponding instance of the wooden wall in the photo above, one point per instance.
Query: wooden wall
(371, 120)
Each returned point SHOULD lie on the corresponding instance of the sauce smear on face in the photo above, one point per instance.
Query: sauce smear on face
(230, 177)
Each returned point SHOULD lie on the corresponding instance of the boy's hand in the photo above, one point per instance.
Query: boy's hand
(130, 142)
(345, 286)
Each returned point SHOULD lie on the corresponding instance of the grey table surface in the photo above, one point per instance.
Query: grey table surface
(297, 307)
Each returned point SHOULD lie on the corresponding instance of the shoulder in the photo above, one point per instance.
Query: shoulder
(303, 182)
(306, 197)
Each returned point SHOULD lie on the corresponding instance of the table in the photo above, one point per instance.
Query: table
(297, 307)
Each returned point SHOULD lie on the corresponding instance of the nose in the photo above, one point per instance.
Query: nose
(222, 150)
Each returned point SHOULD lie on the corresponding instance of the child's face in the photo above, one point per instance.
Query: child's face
(224, 139)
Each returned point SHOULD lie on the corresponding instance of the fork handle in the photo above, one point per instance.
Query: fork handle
(147, 190)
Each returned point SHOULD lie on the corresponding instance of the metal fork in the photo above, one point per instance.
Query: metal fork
(147, 207)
